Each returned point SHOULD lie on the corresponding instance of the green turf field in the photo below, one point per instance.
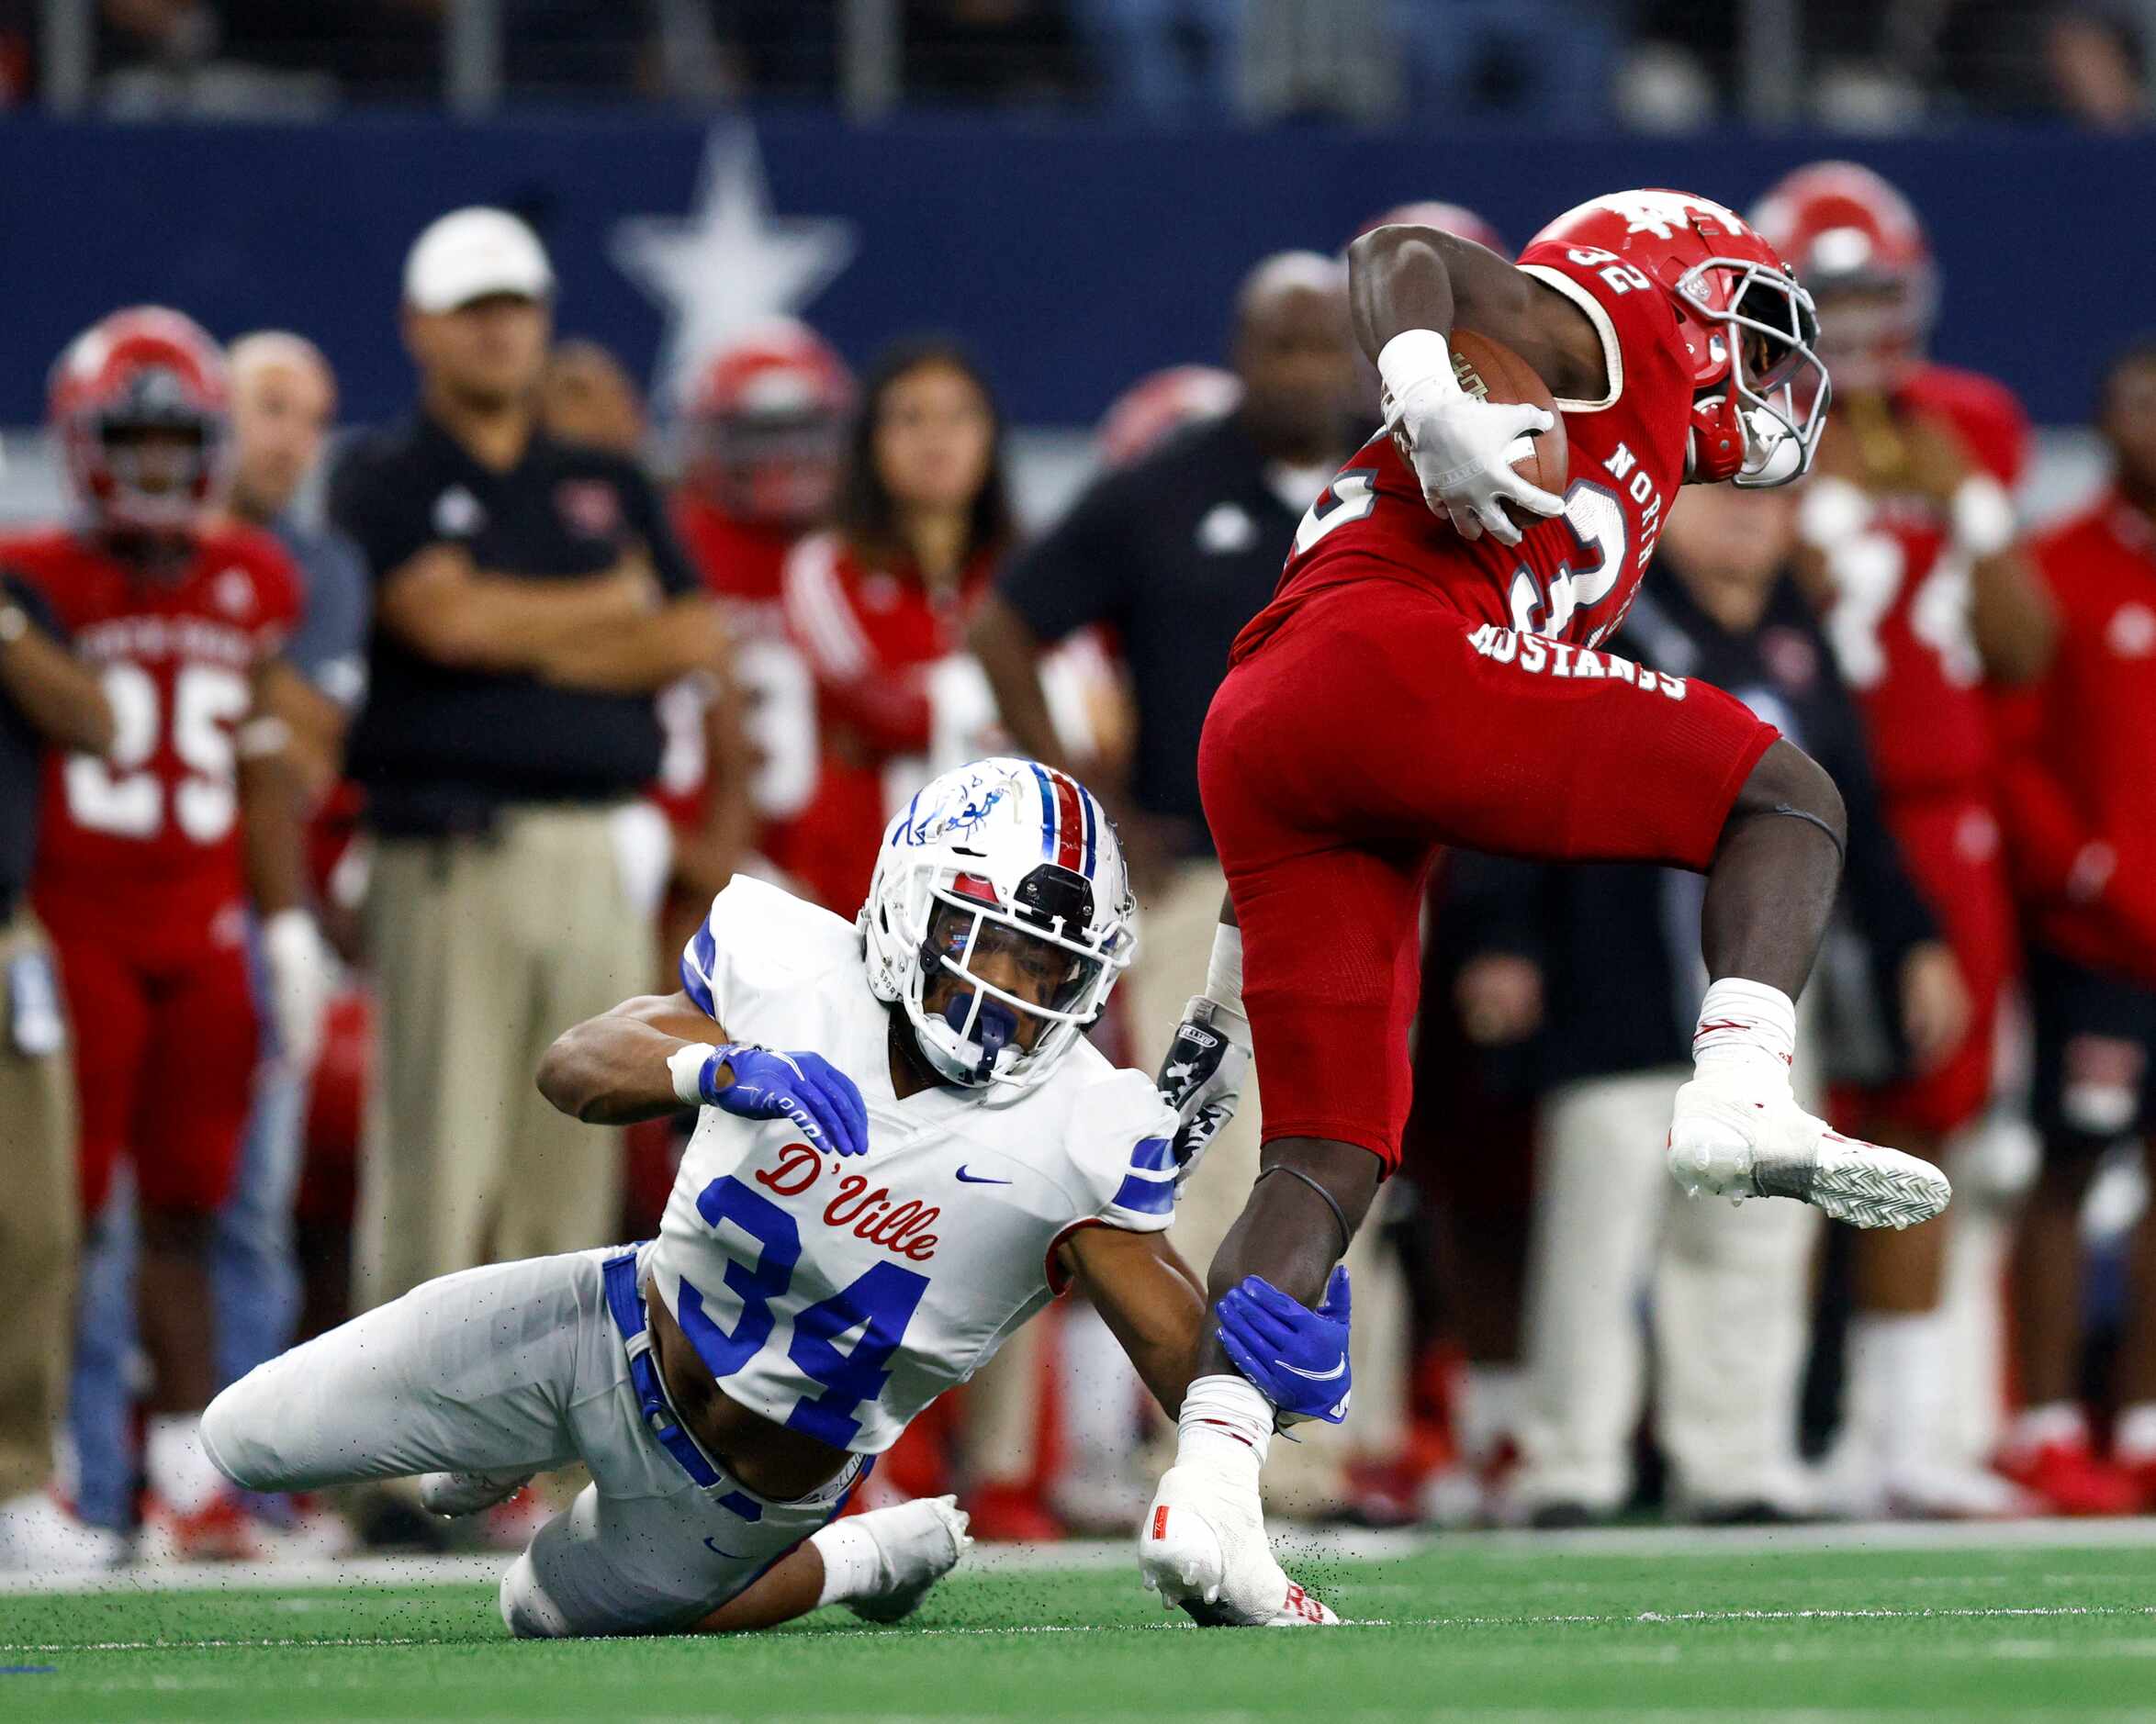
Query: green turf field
(1574, 1629)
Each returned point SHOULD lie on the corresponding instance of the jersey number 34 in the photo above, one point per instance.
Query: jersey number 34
(880, 1304)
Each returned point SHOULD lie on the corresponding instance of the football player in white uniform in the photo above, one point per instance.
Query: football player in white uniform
(856, 1226)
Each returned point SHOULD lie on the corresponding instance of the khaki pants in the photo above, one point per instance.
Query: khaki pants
(484, 949)
(39, 1224)
(1729, 1305)
(1177, 918)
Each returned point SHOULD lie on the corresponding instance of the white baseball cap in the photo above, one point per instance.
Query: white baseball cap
(470, 253)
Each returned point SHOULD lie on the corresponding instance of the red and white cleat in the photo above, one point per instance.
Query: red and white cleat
(220, 1530)
(1734, 1136)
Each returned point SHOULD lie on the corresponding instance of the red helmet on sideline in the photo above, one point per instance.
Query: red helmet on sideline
(767, 426)
(1849, 232)
(142, 373)
(1759, 389)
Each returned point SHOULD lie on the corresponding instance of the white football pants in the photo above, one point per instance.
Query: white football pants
(507, 1369)
(1730, 1304)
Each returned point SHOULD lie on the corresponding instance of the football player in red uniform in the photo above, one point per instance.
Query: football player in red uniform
(1911, 549)
(1426, 675)
(765, 446)
(150, 857)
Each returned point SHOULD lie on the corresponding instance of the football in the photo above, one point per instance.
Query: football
(1493, 372)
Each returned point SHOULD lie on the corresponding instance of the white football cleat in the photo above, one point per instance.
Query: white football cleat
(452, 1494)
(38, 1537)
(1202, 1548)
(1732, 1136)
(917, 1543)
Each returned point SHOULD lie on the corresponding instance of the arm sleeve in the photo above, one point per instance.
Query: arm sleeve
(1081, 572)
(677, 577)
(388, 523)
(888, 704)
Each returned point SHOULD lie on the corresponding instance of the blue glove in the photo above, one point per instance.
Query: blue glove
(822, 1101)
(1297, 1357)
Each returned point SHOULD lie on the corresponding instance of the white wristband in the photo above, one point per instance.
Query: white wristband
(685, 1066)
(1982, 515)
(1415, 361)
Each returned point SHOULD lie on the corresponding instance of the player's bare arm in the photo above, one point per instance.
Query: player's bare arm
(1402, 278)
(1149, 1298)
(1409, 290)
(62, 698)
(654, 1054)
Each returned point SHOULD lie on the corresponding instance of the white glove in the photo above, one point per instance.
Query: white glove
(1462, 448)
(301, 974)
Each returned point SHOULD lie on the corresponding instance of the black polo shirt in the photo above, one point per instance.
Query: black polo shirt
(442, 749)
(1176, 552)
(22, 755)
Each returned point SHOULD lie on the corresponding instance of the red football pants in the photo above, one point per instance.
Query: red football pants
(164, 1052)
(1379, 724)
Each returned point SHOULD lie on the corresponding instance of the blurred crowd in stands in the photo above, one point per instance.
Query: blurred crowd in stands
(1651, 64)
(498, 704)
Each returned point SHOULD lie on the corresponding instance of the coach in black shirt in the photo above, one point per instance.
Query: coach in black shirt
(529, 604)
(48, 700)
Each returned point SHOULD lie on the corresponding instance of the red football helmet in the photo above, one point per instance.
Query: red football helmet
(1759, 390)
(767, 426)
(126, 399)
(1856, 238)
(1159, 402)
(1454, 219)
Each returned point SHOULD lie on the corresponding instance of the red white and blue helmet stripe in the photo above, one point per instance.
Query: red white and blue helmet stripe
(1069, 837)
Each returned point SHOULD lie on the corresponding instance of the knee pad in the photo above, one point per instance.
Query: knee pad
(529, 1613)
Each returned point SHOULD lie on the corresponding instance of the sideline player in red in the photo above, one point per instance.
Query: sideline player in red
(1911, 552)
(1427, 675)
(150, 857)
(765, 449)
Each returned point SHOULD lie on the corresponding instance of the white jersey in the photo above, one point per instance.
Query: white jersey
(839, 1295)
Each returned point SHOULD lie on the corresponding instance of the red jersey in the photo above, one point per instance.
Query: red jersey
(1902, 639)
(153, 834)
(878, 646)
(2080, 754)
(1570, 580)
(743, 566)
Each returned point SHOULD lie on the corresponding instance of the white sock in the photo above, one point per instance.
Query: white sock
(1746, 1024)
(2053, 1422)
(2133, 1438)
(853, 1566)
(1493, 1399)
(1224, 1419)
(1899, 1375)
(1224, 973)
(180, 1469)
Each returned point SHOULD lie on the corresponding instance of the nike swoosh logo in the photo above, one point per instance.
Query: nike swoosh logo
(1318, 1376)
(978, 1178)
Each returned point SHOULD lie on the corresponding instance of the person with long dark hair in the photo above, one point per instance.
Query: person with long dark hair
(878, 603)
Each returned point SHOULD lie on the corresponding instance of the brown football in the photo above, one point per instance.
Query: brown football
(1495, 372)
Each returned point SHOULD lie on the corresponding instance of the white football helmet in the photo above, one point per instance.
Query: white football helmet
(1003, 855)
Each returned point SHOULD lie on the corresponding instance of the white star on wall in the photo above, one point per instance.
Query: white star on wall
(731, 264)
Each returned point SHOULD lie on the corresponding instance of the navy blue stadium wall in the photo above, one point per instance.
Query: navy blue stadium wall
(1073, 257)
